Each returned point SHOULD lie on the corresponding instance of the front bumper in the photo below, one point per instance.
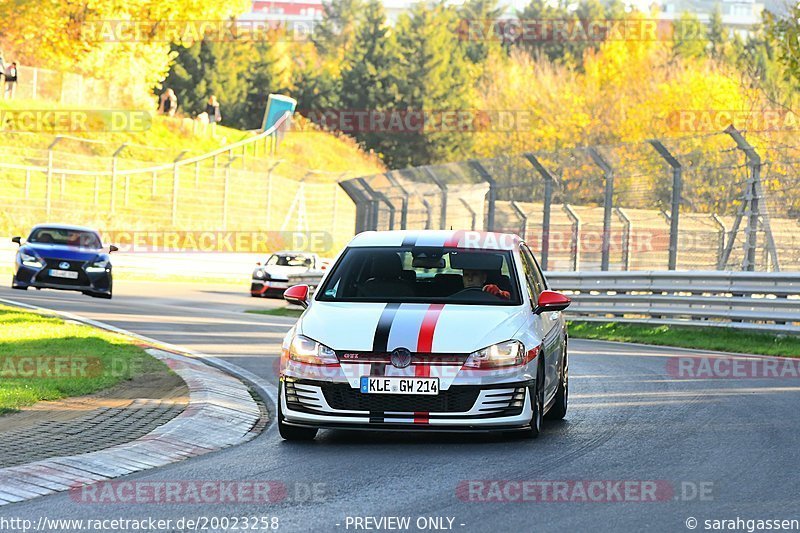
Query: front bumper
(94, 282)
(321, 404)
(261, 286)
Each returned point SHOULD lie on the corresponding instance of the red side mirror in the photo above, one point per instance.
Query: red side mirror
(551, 301)
(297, 295)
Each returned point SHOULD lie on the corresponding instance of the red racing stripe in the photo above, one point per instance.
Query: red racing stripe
(425, 345)
(421, 371)
(454, 239)
(428, 327)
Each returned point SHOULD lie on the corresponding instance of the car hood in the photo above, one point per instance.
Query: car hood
(283, 272)
(457, 328)
(59, 251)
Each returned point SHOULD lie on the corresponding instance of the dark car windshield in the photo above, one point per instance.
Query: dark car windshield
(424, 275)
(66, 237)
(289, 260)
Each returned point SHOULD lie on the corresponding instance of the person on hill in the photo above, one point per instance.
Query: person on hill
(11, 80)
(212, 110)
(169, 103)
(2, 70)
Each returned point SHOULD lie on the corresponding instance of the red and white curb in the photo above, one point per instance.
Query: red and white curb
(221, 413)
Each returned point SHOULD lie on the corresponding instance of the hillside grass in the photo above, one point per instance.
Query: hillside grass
(303, 154)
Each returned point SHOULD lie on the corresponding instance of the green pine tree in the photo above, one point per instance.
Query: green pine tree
(437, 78)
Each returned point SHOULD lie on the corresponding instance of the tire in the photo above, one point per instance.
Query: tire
(537, 398)
(292, 433)
(559, 409)
(103, 295)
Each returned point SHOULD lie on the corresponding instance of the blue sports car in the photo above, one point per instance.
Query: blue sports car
(57, 256)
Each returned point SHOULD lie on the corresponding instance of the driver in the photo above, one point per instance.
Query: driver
(476, 279)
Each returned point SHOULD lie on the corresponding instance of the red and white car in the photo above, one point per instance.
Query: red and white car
(272, 277)
(427, 330)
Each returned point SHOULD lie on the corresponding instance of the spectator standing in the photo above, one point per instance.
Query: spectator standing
(2, 70)
(11, 80)
(214, 116)
(169, 103)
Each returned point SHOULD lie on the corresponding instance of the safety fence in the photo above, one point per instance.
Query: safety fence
(715, 201)
(68, 88)
(242, 186)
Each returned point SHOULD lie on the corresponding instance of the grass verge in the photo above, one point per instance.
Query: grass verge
(278, 311)
(718, 339)
(46, 358)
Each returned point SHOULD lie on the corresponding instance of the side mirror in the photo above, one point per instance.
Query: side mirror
(258, 264)
(17, 240)
(297, 295)
(551, 301)
(112, 248)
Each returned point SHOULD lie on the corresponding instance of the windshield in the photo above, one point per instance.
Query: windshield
(290, 260)
(425, 275)
(65, 237)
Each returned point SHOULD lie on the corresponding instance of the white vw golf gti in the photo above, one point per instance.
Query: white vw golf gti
(429, 331)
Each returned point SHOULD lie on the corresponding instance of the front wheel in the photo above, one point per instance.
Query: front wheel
(559, 409)
(537, 400)
(292, 432)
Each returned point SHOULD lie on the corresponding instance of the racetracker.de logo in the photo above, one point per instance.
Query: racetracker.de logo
(74, 120)
(191, 31)
(217, 241)
(582, 491)
(713, 367)
(549, 30)
(713, 120)
(180, 492)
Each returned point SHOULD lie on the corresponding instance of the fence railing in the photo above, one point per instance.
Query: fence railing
(742, 300)
(716, 201)
(67, 88)
(765, 301)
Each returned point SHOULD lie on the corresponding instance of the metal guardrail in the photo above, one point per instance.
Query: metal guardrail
(767, 301)
(744, 300)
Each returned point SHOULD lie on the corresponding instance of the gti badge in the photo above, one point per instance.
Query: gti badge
(401, 357)
(63, 265)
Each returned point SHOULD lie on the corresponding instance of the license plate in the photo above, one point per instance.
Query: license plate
(396, 385)
(68, 274)
(279, 284)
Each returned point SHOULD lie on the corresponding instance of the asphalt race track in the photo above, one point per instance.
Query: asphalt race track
(716, 449)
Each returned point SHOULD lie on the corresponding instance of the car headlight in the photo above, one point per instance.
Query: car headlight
(258, 274)
(509, 353)
(30, 260)
(305, 350)
(98, 266)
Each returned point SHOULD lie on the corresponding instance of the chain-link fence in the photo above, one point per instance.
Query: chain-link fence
(68, 88)
(718, 201)
(243, 187)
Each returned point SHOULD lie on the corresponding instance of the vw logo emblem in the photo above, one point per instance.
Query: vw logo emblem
(401, 357)
(64, 265)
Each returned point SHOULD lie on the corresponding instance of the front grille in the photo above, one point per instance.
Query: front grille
(455, 400)
(255, 287)
(75, 266)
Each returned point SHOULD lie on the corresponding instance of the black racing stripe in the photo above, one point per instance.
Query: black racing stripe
(377, 369)
(410, 239)
(381, 339)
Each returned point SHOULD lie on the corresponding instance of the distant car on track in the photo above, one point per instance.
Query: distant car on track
(57, 256)
(429, 330)
(272, 278)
